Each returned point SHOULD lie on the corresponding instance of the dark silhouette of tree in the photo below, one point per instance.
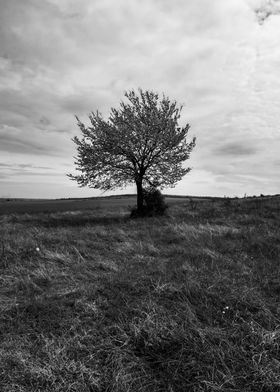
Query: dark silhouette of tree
(140, 143)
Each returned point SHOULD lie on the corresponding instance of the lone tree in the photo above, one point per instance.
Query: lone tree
(140, 143)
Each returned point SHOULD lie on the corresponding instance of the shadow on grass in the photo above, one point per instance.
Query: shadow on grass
(39, 316)
(84, 220)
(62, 220)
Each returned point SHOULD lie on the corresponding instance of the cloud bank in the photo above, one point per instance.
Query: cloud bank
(61, 58)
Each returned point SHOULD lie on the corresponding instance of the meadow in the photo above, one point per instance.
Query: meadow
(11, 206)
(93, 301)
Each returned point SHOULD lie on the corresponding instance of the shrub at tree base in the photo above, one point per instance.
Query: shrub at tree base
(154, 204)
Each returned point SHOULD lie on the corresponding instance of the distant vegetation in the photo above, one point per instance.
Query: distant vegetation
(94, 301)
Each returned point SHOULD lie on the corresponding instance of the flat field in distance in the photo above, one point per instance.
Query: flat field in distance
(10, 206)
(93, 301)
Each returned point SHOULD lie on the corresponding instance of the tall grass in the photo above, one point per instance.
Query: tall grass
(95, 301)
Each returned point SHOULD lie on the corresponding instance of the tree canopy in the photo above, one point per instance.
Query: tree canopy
(140, 143)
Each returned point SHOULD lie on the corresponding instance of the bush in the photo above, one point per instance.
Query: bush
(193, 204)
(155, 201)
(154, 204)
(227, 202)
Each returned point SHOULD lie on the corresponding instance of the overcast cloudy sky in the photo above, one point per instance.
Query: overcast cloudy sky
(219, 58)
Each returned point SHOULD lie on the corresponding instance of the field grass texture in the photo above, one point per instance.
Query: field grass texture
(95, 301)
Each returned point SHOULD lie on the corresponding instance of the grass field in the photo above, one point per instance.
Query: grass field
(91, 300)
(31, 206)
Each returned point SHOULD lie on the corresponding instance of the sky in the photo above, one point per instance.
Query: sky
(219, 58)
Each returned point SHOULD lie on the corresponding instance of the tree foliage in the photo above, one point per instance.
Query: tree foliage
(140, 143)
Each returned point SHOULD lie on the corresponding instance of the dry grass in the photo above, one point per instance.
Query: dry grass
(94, 301)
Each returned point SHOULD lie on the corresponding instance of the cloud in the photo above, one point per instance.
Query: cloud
(22, 166)
(15, 141)
(236, 149)
(265, 9)
(62, 57)
(12, 172)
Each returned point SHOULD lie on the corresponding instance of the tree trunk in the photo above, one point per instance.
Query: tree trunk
(140, 198)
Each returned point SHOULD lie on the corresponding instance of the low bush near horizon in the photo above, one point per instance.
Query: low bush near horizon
(154, 204)
(95, 301)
